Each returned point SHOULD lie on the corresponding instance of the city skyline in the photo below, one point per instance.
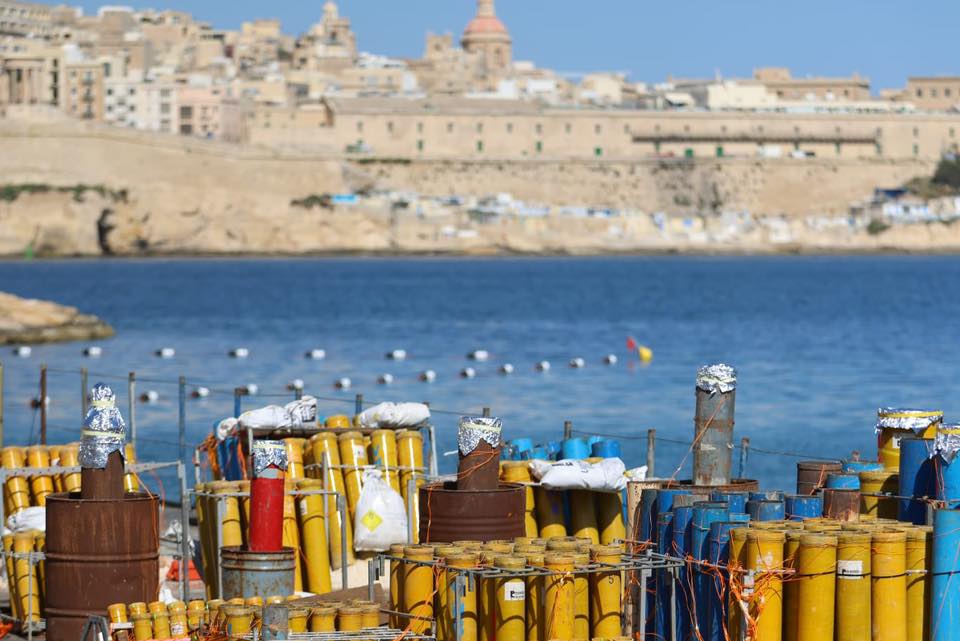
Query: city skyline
(875, 39)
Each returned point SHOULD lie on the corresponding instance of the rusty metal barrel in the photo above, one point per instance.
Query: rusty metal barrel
(248, 574)
(812, 475)
(99, 552)
(448, 514)
(713, 423)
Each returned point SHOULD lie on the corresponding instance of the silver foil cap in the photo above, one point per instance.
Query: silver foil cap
(267, 453)
(946, 443)
(717, 378)
(474, 429)
(104, 431)
(901, 418)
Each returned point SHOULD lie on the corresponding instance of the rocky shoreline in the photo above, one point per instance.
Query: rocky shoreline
(26, 321)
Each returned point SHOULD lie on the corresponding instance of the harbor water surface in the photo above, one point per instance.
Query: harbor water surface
(819, 343)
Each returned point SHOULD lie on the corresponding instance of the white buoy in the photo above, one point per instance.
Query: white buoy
(295, 385)
(468, 372)
(428, 376)
(150, 396)
(397, 355)
(316, 354)
(165, 352)
(543, 366)
(506, 369)
(385, 379)
(577, 363)
(23, 351)
(610, 359)
(343, 383)
(239, 352)
(93, 352)
(251, 389)
(200, 392)
(479, 355)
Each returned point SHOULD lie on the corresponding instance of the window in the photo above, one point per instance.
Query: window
(626, 129)
(568, 128)
(390, 127)
(951, 132)
(539, 146)
(419, 127)
(419, 145)
(509, 127)
(479, 146)
(449, 127)
(598, 151)
(598, 129)
(539, 128)
(479, 127)
(186, 112)
(132, 91)
(946, 92)
(109, 92)
(919, 92)
(916, 132)
(916, 150)
(359, 126)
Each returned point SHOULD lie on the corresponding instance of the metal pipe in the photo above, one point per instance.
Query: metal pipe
(434, 462)
(237, 395)
(344, 564)
(358, 404)
(1, 406)
(651, 452)
(713, 425)
(184, 533)
(486, 412)
(132, 406)
(84, 379)
(744, 453)
(567, 430)
(43, 405)
(411, 504)
(182, 419)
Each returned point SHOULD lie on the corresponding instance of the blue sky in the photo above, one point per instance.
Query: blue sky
(885, 40)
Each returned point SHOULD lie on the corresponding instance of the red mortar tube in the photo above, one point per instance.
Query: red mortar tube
(266, 511)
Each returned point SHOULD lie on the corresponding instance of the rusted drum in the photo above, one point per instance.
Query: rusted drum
(448, 514)
(248, 574)
(98, 553)
(812, 475)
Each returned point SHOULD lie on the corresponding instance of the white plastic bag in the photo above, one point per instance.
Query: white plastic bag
(269, 417)
(381, 518)
(394, 415)
(569, 474)
(31, 518)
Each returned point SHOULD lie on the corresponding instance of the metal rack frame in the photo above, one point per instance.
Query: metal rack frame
(183, 556)
(644, 563)
(342, 511)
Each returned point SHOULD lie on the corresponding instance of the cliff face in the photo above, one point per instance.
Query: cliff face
(35, 321)
(101, 191)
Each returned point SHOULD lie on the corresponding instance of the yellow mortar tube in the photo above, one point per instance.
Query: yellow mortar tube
(440, 606)
(17, 489)
(178, 619)
(338, 421)
(53, 451)
(583, 516)
(142, 626)
(919, 551)
(888, 442)
(297, 619)
(323, 618)
(410, 454)
(889, 585)
(511, 600)
(294, 448)
(396, 584)
(130, 481)
(40, 545)
(325, 448)
(40, 486)
(468, 601)
(353, 453)
(886, 481)
(558, 602)
(549, 506)
(418, 587)
(70, 457)
(291, 533)
(26, 577)
(350, 618)
(161, 625)
(519, 472)
(370, 615)
(12, 583)
(737, 563)
(605, 591)
(581, 598)
(383, 454)
(196, 614)
(764, 555)
(315, 549)
(534, 606)
(487, 589)
(816, 578)
(791, 586)
(610, 517)
(232, 530)
(853, 606)
(117, 613)
(239, 619)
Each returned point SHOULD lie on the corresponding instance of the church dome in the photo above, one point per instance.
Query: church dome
(485, 24)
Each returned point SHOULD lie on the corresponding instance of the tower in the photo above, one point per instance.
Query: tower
(489, 37)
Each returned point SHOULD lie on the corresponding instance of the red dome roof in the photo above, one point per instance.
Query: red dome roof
(485, 24)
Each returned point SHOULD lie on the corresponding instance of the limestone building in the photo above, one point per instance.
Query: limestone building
(934, 93)
(487, 36)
